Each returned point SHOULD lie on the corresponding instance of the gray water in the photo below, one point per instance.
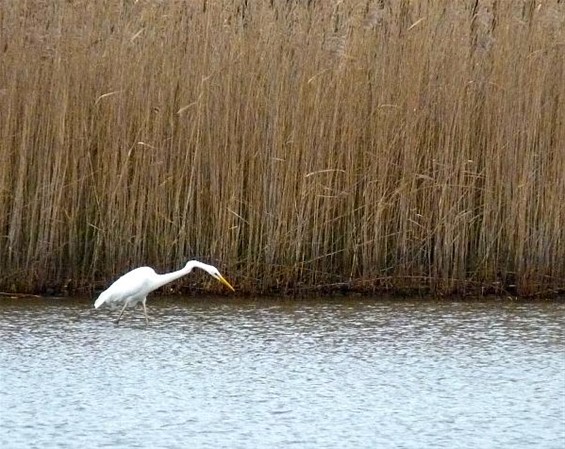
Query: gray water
(224, 373)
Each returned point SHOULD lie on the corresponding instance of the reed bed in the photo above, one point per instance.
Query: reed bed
(300, 146)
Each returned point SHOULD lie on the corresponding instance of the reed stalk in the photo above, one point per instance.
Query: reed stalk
(300, 146)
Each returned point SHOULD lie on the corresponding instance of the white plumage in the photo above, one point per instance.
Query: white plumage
(133, 287)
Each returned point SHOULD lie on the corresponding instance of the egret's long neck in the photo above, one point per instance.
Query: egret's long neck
(170, 277)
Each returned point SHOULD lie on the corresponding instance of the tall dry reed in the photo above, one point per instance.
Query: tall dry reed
(299, 145)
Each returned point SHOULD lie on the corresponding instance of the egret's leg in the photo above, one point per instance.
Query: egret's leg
(122, 312)
(145, 311)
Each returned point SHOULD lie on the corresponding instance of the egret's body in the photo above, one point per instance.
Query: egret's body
(133, 287)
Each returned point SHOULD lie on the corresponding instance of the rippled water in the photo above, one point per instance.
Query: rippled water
(221, 373)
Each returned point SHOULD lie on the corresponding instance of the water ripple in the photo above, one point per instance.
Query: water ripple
(308, 374)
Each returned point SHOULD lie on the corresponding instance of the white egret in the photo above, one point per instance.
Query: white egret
(133, 287)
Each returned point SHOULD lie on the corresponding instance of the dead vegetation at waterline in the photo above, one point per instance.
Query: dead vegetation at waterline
(366, 145)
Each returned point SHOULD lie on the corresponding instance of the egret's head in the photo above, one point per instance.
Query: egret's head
(213, 271)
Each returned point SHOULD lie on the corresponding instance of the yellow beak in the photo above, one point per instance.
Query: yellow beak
(226, 283)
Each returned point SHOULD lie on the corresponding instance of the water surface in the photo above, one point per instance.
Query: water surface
(225, 373)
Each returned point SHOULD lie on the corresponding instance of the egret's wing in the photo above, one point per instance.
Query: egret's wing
(129, 285)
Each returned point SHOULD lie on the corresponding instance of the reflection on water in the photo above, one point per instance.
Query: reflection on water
(271, 373)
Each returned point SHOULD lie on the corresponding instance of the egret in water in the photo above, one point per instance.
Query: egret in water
(133, 287)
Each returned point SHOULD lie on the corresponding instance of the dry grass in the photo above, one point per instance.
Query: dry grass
(362, 145)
